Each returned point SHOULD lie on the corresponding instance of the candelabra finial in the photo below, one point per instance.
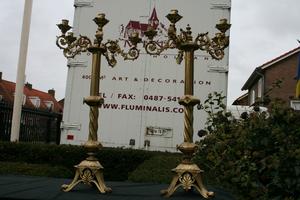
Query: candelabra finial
(100, 20)
(64, 26)
(223, 26)
(173, 16)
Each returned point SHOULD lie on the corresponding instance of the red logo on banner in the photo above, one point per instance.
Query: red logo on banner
(139, 27)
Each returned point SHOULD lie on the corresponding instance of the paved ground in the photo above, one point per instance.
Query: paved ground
(43, 188)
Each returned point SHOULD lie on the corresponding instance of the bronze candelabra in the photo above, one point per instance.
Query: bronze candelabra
(89, 170)
(187, 173)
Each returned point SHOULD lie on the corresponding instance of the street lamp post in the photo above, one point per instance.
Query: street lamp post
(89, 170)
(187, 173)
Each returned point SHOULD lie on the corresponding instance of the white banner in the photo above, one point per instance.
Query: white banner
(141, 97)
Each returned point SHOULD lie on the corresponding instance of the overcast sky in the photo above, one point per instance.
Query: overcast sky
(261, 30)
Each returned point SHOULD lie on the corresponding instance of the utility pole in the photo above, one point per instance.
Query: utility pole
(18, 99)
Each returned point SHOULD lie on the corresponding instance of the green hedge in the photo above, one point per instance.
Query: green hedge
(258, 157)
(118, 163)
(18, 168)
(157, 169)
(63, 155)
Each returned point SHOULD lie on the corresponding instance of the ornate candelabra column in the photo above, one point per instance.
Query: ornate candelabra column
(89, 170)
(187, 173)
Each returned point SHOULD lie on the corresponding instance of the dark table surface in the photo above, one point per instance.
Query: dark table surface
(38, 188)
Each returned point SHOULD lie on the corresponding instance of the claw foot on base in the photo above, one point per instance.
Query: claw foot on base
(187, 176)
(88, 172)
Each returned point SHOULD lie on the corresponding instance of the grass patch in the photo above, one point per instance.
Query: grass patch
(157, 169)
(21, 168)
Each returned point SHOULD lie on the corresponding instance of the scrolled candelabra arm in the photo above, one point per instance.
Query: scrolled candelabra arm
(153, 48)
(215, 46)
(221, 40)
(111, 49)
(133, 53)
(179, 57)
(70, 44)
(77, 47)
(64, 41)
(111, 59)
(203, 41)
(218, 45)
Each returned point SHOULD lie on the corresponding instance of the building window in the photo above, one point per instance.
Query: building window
(49, 104)
(252, 96)
(259, 88)
(24, 99)
(35, 101)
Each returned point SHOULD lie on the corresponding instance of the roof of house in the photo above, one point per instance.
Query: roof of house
(7, 90)
(240, 98)
(257, 73)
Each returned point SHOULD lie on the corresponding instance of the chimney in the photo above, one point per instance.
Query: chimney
(52, 92)
(28, 85)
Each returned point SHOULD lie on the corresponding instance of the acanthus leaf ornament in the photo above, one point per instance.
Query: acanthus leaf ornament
(87, 175)
(187, 181)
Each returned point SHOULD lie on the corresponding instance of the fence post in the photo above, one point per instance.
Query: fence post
(48, 130)
(58, 130)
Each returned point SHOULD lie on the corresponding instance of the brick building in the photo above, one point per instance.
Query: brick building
(282, 71)
(41, 113)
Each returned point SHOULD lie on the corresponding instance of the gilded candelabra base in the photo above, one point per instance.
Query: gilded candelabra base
(187, 174)
(89, 172)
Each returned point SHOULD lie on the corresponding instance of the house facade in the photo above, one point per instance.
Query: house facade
(275, 79)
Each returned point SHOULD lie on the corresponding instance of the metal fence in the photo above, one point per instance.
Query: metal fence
(36, 125)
